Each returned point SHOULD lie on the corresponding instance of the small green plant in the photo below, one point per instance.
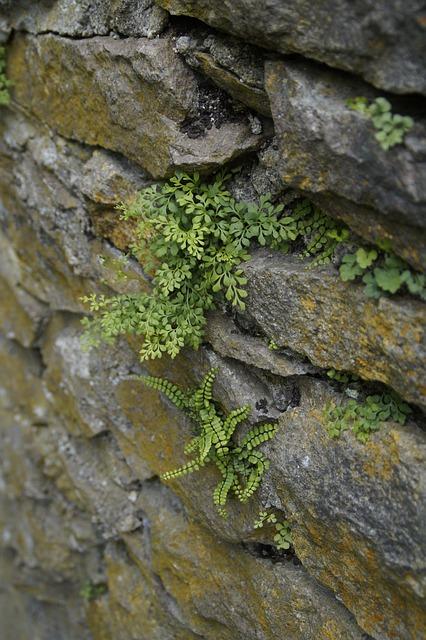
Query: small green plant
(391, 128)
(4, 82)
(92, 591)
(240, 465)
(381, 273)
(192, 237)
(364, 418)
(264, 518)
(282, 537)
(119, 265)
(321, 233)
(272, 345)
(342, 376)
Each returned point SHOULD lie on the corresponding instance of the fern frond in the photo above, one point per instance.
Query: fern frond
(203, 395)
(220, 438)
(189, 467)
(235, 418)
(192, 446)
(172, 391)
(241, 467)
(204, 445)
(221, 491)
(257, 435)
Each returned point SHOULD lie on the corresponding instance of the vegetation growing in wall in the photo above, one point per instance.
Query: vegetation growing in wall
(4, 82)
(381, 272)
(364, 418)
(240, 464)
(192, 237)
(342, 376)
(390, 128)
(282, 538)
(92, 591)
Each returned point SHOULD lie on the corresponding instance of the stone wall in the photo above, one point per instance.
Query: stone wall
(107, 97)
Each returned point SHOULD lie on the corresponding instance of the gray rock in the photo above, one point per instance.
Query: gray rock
(227, 340)
(81, 382)
(384, 43)
(21, 315)
(21, 387)
(55, 611)
(252, 584)
(235, 67)
(86, 18)
(329, 150)
(43, 174)
(358, 513)
(93, 476)
(134, 96)
(335, 325)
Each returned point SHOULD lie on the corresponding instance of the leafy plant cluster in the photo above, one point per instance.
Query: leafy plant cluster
(192, 237)
(343, 377)
(272, 345)
(390, 128)
(282, 537)
(240, 465)
(92, 591)
(381, 272)
(366, 417)
(4, 82)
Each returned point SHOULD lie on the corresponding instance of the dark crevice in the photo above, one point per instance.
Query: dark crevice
(270, 552)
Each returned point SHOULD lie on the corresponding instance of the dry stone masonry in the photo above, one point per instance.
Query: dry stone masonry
(108, 97)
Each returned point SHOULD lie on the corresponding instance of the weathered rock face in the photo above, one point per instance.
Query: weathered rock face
(334, 324)
(370, 498)
(88, 18)
(385, 45)
(330, 151)
(153, 111)
(108, 97)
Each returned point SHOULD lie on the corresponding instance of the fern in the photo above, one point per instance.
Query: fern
(342, 376)
(282, 538)
(192, 236)
(381, 272)
(321, 233)
(390, 128)
(364, 418)
(4, 82)
(241, 466)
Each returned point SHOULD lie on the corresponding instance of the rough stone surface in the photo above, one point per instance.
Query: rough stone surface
(93, 544)
(231, 342)
(236, 68)
(359, 511)
(330, 150)
(263, 609)
(87, 18)
(384, 43)
(335, 325)
(140, 111)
